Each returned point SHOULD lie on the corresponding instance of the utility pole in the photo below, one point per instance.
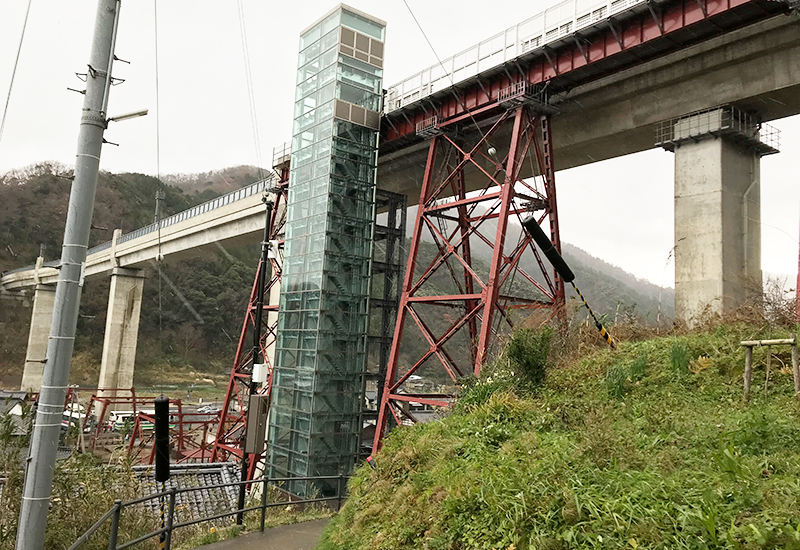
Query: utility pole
(262, 279)
(47, 426)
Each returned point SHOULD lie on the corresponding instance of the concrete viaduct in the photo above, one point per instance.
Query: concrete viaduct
(704, 99)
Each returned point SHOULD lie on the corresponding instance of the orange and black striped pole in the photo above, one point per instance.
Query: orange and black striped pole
(536, 233)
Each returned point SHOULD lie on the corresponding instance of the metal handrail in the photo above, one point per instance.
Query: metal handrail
(556, 23)
(116, 510)
(715, 121)
(213, 204)
(85, 537)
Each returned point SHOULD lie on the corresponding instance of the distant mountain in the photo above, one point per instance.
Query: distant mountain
(215, 289)
(607, 286)
(609, 289)
(32, 222)
(217, 181)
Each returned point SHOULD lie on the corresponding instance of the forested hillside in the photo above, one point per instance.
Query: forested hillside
(203, 300)
(216, 181)
(616, 292)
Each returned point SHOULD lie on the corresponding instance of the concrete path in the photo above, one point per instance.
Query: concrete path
(299, 536)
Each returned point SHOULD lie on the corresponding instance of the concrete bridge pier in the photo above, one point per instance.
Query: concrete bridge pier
(717, 209)
(41, 317)
(122, 328)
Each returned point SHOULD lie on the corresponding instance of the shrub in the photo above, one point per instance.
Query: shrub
(679, 357)
(527, 352)
(639, 367)
(616, 377)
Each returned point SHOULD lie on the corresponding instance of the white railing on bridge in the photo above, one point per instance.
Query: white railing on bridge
(233, 196)
(563, 19)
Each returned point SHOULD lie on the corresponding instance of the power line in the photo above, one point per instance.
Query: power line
(250, 94)
(14, 71)
(160, 195)
(446, 72)
(158, 108)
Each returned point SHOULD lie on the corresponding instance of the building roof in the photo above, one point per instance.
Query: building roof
(195, 504)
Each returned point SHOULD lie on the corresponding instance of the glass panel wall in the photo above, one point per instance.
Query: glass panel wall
(318, 384)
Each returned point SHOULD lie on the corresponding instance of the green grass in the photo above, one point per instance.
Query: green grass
(626, 449)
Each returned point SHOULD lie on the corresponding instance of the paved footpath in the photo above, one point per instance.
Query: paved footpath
(299, 536)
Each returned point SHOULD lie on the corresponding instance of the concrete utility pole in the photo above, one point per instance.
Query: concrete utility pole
(47, 427)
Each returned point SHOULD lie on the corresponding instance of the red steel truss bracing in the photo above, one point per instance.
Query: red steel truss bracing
(459, 328)
(230, 432)
(188, 433)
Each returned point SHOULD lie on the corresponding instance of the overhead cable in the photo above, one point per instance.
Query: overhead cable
(14, 71)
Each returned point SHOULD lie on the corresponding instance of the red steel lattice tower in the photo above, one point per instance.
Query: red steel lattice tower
(229, 440)
(471, 190)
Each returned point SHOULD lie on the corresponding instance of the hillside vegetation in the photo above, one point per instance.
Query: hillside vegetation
(650, 446)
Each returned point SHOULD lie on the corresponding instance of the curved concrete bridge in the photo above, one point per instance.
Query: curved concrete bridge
(229, 220)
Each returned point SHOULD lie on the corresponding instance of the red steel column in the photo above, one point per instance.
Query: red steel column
(408, 282)
(492, 290)
(466, 253)
(224, 443)
(480, 296)
(549, 173)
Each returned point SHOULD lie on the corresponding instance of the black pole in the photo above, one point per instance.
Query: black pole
(161, 445)
(262, 275)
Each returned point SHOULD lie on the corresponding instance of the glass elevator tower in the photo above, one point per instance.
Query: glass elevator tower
(318, 382)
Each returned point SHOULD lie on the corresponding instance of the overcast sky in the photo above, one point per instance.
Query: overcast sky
(205, 120)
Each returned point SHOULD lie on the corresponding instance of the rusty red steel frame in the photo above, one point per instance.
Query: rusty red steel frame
(108, 400)
(456, 222)
(189, 435)
(185, 438)
(230, 433)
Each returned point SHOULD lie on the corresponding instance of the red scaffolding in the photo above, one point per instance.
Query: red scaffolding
(470, 193)
(190, 435)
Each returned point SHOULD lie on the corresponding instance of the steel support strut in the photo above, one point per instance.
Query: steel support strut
(547, 169)
(492, 290)
(459, 328)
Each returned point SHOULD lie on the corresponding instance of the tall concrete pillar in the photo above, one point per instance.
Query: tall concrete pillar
(717, 211)
(122, 328)
(42, 315)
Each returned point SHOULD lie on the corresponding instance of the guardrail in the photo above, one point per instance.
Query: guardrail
(213, 204)
(170, 526)
(233, 196)
(51, 263)
(551, 25)
(718, 121)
